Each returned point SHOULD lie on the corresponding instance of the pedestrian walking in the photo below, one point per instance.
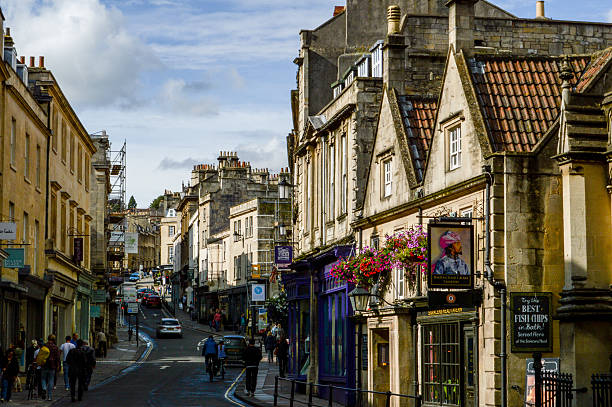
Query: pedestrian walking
(64, 349)
(270, 345)
(243, 324)
(77, 362)
(10, 370)
(218, 321)
(90, 356)
(101, 339)
(282, 354)
(252, 357)
(49, 361)
(75, 338)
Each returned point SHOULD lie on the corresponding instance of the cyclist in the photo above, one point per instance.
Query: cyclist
(221, 356)
(209, 350)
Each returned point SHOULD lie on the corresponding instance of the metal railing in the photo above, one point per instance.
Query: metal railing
(359, 394)
(602, 390)
(557, 389)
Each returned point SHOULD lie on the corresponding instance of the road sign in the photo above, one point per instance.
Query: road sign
(132, 308)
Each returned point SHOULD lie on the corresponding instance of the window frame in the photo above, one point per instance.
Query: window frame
(454, 147)
(344, 174)
(26, 156)
(387, 177)
(433, 364)
(399, 278)
(13, 142)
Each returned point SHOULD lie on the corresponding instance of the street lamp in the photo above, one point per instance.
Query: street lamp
(284, 189)
(360, 298)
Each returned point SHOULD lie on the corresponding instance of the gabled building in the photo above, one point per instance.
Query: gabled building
(382, 148)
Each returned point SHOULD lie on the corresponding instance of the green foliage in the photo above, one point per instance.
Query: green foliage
(156, 202)
(277, 309)
(132, 203)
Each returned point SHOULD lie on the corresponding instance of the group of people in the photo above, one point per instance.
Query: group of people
(215, 319)
(276, 344)
(45, 360)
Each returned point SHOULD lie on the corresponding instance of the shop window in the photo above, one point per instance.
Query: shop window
(333, 320)
(441, 364)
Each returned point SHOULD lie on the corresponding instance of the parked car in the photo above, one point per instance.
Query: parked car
(153, 301)
(169, 326)
(234, 347)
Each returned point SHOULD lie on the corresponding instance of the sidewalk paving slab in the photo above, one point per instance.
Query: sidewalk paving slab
(119, 357)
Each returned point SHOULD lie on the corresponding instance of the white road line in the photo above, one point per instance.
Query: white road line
(232, 387)
(164, 367)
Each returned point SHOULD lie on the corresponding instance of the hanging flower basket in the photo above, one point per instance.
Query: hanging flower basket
(406, 249)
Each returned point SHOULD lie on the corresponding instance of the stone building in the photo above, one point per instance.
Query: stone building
(369, 158)
(69, 154)
(141, 222)
(23, 288)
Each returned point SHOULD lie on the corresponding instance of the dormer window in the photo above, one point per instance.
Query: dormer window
(363, 67)
(454, 139)
(377, 60)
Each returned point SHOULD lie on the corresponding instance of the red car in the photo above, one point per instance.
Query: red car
(153, 301)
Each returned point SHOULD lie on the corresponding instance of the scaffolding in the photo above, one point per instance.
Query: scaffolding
(117, 210)
(116, 197)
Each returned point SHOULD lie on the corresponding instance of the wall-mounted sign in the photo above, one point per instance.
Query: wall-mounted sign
(531, 322)
(15, 259)
(258, 292)
(116, 238)
(255, 271)
(8, 231)
(283, 255)
(451, 256)
(99, 296)
(131, 243)
(77, 250)
(452, 299)
(94, 311)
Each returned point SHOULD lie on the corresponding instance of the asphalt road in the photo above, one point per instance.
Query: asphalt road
(173, 375)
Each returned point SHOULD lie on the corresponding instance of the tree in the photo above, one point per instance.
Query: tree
(277, 309)
(132, 203)
(156, 202)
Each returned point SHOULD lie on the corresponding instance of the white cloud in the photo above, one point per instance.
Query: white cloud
(175, 95)
(86, 45)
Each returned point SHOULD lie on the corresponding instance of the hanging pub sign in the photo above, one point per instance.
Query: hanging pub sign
(451, 256)
(15, 257)
(77, 252)
(531, 322)
(283, 255)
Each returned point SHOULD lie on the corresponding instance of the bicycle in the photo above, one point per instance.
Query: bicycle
(221, 368)
(210, 366)
(31, 381)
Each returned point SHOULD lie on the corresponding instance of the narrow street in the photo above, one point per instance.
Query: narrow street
(173, 375)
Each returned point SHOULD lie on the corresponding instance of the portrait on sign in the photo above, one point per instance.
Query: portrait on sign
(451, 256)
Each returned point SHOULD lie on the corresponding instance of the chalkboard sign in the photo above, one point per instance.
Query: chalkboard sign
(531, 322)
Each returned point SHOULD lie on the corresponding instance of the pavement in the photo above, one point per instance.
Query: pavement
(122, 357)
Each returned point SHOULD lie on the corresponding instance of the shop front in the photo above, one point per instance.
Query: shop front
(233, 302)
(82, 306)
(32, 303)
(297, 287)
(61, 304)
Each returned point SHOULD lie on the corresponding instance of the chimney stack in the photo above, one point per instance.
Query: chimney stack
(540, 9)
(32, 62)
(461, 24)
(41, 62)
(393, 20)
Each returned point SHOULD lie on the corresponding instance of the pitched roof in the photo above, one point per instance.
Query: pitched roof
(520, 96)
(418, 115)
(599, 61)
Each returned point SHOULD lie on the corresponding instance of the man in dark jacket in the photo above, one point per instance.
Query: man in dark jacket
(251, 357)
(282, 353)
(77, 362)
(90, 356)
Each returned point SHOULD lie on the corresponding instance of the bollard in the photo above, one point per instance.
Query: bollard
(331, 395)
(292, 393)
(275, 391)
(310, 390)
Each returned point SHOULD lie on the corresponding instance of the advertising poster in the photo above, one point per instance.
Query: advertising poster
(451, 256)
(548, 365)
(262, 319)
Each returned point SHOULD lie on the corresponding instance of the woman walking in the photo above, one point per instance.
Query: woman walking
(10, 370)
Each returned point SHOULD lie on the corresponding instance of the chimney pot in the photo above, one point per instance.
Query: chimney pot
(8, 31)
(32, 62)
(540, 9)
(22, 59)
(393, 19)
(41, 62)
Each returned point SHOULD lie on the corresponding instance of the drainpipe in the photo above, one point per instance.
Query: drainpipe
(498, 285)
(419, 288)
(47, 172)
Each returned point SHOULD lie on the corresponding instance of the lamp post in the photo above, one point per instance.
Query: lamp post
(359, 298)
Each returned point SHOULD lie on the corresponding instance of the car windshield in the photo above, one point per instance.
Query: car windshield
(170, 322)
(233, 341)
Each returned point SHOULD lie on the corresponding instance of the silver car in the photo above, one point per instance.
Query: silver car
(169, 326)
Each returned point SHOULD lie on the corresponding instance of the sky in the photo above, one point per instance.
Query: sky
(181, 80)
